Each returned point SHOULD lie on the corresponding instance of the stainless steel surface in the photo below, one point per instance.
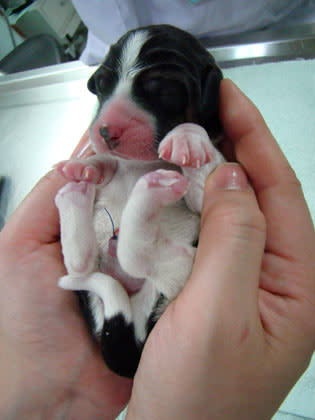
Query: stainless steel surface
(279, 32)
(277, 44)
(264, 52)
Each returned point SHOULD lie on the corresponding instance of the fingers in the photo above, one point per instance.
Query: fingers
(37, 217)
(84, 148)
(231, 245)
(253, 141)
(279, 193)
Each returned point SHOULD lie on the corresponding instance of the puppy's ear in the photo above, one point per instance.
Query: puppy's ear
(210, 89)
(91, 85)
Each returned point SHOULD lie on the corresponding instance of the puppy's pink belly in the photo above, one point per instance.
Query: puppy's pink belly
(112, 267)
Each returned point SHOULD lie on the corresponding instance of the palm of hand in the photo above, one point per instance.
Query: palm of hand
(54, 352)
(266, 344)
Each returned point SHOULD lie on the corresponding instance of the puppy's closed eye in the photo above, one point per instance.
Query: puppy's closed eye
(167, 94)
(102, 82)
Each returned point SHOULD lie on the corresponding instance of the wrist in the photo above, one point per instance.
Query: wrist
(10, 392)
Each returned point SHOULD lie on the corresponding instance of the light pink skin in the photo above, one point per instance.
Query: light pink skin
(132, 131)
(113, 269)
(188, 147)
(131, 128)
(90, 170)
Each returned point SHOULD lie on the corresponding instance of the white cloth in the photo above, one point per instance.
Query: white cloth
(107, 20)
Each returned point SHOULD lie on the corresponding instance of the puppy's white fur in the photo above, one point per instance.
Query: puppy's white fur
(164, 259)
(129, 57)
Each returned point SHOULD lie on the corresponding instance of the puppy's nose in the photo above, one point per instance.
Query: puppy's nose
(111, 136)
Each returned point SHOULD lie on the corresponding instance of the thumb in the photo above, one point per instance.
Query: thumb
(227, 267)
(36, 218)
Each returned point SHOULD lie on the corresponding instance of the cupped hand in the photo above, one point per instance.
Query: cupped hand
(50, 367)
(242, 331)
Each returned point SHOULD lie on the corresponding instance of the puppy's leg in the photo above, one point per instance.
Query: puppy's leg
(94, 169)
(144, 248)
(124, 327)
(121, 338)
(114, 297)
(75, 204)
(188, 145)
(143, 306)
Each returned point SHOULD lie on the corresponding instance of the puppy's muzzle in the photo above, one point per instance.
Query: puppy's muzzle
(111, 141)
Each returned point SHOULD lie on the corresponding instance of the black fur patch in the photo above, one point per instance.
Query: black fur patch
(119, 348)
(84, 303)
(153, 318)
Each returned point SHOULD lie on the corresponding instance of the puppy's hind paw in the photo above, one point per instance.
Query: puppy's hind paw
(80, 194)
(162, 186)
(72, 283)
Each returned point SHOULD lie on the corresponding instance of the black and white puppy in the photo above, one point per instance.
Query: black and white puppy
(130, 217)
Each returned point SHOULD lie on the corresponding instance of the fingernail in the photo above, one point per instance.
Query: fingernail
(230, 176)
(58, 165)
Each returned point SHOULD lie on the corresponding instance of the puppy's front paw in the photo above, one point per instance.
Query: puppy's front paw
(187, 145)
(86, 170)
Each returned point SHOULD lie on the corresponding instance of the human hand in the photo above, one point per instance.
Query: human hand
(242, 331)
(50, 367)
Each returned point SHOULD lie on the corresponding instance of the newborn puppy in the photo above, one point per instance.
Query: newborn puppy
(130, 217)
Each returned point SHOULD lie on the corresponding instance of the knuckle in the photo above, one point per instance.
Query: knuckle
(291, 177)
(296, 186)
(241, 219)
(251, 228)
(48, 177)
(52, 178)
(246, 223)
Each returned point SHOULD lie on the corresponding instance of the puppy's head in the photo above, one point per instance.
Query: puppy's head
(153, 79)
